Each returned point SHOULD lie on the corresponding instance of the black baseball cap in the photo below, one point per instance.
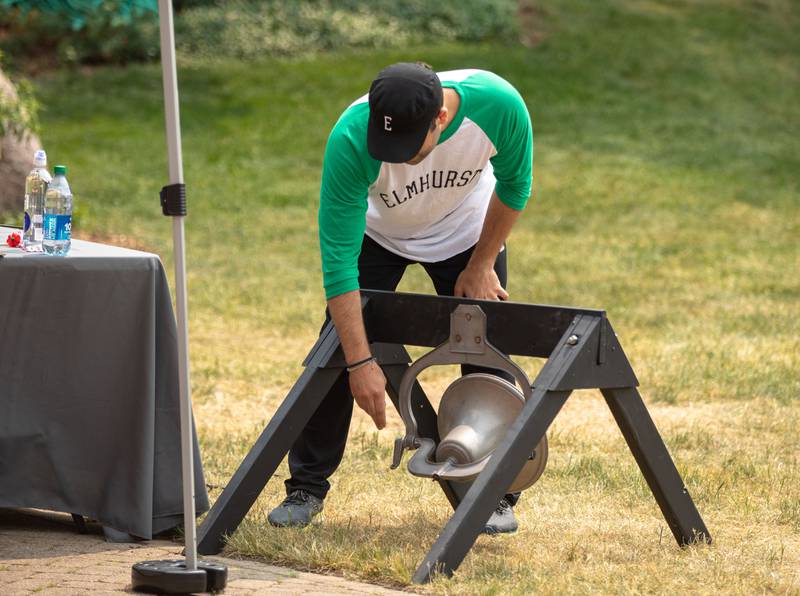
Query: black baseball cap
(403, 100)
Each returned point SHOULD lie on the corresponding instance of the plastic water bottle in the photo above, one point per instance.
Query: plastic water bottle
(58, 214)
(35, 189)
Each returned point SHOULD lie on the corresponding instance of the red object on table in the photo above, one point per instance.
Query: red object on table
(13, 239)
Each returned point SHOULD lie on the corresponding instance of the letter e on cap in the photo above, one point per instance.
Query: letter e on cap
(387, 123)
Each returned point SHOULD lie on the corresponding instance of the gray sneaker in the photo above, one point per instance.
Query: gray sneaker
(296, 510)
(502, 521)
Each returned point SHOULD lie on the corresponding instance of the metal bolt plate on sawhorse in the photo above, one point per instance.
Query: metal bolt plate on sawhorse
(582, 352)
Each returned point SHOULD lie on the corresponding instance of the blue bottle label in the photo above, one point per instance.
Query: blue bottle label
(57, 227)
(27, 222)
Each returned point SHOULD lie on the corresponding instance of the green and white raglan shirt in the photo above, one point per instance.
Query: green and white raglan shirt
(433, 210)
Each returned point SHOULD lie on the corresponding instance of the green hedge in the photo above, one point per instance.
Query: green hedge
(115, 31)
(120, 31)
(79, 11)
(243, 29)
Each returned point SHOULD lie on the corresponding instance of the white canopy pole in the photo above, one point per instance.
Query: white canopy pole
(173, 128)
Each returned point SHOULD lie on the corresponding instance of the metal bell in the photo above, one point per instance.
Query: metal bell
(475, 412)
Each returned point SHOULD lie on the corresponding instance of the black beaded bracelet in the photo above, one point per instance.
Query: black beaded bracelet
(359, 364)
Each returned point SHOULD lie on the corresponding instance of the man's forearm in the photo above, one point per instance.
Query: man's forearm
(345, 311)
(496, 227)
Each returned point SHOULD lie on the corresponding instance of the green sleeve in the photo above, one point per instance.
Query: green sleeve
(502, 114)
(347, 173)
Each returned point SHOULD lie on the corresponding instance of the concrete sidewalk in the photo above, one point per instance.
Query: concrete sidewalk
(42, 553)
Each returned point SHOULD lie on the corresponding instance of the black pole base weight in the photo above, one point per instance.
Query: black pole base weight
(172, 577)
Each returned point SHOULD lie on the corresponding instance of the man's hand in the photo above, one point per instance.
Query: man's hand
(367, 383)
(480, 282)
(368, 386)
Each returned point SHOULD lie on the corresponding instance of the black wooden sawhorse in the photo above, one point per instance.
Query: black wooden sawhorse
(582, 352)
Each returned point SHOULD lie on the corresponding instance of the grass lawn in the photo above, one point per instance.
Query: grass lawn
(667, 154)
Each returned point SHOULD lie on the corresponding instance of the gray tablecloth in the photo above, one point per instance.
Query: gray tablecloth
(89, 404)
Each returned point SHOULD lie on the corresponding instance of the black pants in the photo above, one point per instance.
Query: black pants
(318, 451)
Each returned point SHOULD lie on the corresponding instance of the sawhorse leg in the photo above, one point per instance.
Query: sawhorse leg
(492, 483)
(264, 458)
(509, 457)
(282, 431)
(656, 465)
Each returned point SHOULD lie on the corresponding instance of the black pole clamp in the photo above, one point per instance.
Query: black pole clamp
(173, 199)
